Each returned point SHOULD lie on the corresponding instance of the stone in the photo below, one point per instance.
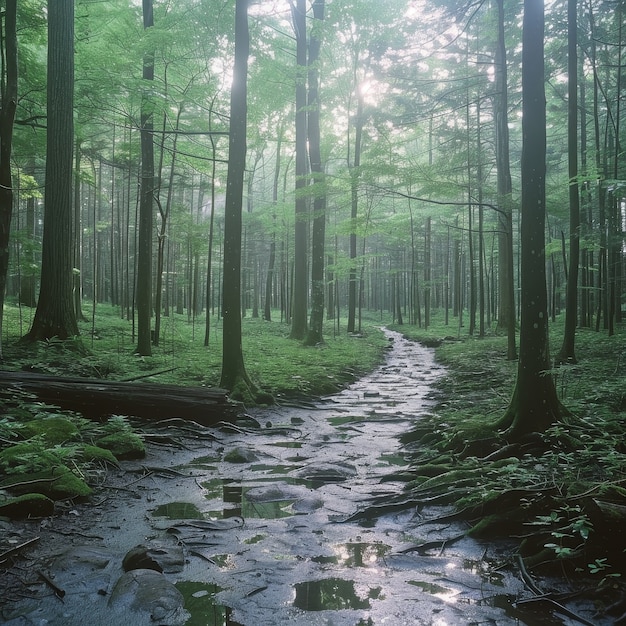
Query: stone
(27, 505)
(149, 594)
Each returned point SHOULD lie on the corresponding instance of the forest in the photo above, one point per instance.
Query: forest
(231, 193)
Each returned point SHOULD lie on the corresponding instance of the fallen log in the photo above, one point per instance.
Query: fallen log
(98, 398)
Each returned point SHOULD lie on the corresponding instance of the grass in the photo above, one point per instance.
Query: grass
(277, 364)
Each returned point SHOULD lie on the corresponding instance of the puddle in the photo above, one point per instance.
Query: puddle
(332, 594)
(208, 463)
(434, 589)
(355, 554)
(238, 501)
(178, 510)
(204, 609)
(359, 554)
(399, 460)
(224, 561)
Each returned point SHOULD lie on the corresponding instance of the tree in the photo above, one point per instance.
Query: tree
(534, 404)
(318, 286)
(8, 104)
(233, 367)
(300, 282)
(567, 352)
(146, 201)
(55, 315)
(506, 317)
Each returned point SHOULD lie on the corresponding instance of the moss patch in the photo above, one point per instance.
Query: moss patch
(29, 505)
(54, 429)
(95, 454)
(123, 445)
(57, 483)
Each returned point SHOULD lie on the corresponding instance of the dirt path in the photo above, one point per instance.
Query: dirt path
(249, 527)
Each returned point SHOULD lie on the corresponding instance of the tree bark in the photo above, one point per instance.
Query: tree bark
(300, 282)
(96, 398)
(567, 354)
(506, 311)
(55, 316)
(534, 405)
(318, 287)
(146, 203)
(8, 106)
(233, 368)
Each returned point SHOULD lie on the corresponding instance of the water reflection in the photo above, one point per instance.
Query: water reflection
(332, 594)
(202, 606)
(178, 510)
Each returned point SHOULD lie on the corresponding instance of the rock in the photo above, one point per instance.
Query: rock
(57, 483)
(28, 505)
(151, 595)
(124, 445)
(240, 455)
(158, 557)
(328, 472)
(54, 429)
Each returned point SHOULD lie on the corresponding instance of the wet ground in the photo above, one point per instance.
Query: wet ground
(250, 528)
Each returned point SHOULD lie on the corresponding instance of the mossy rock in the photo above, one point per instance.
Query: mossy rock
(66, 485)
(95, 454)
(123, 445)
(27, 505)
(58, 483)
(53, 430)
(240, 455)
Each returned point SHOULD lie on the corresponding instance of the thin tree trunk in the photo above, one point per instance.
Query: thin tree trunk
(300, 282)
(144, 252)
(567, 352)
(506, 309)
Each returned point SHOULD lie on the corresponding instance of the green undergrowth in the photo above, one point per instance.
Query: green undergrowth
(561, 493)
(278, 365)
(48, 455)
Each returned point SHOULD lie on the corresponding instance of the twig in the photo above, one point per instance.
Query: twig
(16, 549)
(542, 597)
(58, 592)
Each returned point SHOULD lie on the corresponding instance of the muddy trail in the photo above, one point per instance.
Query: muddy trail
(255, 526)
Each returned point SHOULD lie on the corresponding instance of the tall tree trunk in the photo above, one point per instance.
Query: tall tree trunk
(77, 249)
(271, 264)
(8, 104)
(164, 213)
(55, 316)
(427, 272)
(319, 203)
(233, 368)
(534, 405)
(144, 252)
(354, 208)
(300, 282)
(567, 352)
(506, 309)
(27, 251)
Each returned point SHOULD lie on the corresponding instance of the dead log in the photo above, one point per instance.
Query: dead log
(99, 398)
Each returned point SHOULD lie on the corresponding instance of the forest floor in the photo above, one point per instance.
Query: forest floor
(245, 533)
(267, 525)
